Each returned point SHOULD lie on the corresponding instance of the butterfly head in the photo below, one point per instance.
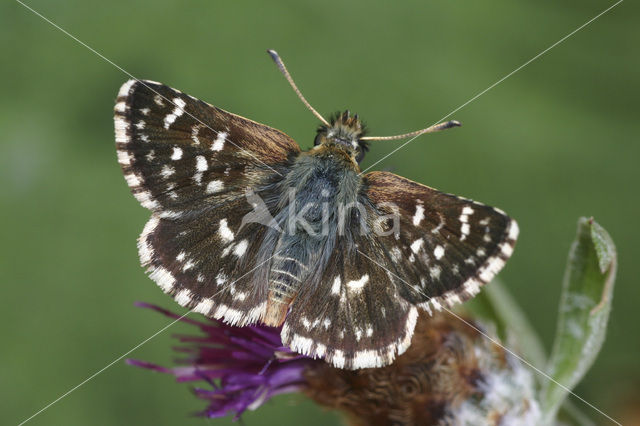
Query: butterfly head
(345, 131)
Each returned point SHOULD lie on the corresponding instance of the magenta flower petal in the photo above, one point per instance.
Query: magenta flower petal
(239, 368)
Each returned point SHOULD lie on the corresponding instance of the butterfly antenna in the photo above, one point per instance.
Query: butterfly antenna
(283, 70)
(432, 129)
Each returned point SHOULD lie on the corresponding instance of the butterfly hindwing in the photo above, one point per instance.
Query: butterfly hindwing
(354, 316)
(208, 263)
(446, 247)
(192, 164)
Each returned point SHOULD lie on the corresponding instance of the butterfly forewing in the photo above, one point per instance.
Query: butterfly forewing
(191, 164)
(447, 247)
(181, 154)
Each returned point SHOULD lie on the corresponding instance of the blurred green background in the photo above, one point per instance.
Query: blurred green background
(555, 141)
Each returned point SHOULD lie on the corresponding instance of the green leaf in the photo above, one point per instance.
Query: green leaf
(584, 311)
(570, 414)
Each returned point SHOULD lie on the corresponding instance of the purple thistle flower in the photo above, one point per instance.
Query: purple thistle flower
(243, 366)
(450, 375)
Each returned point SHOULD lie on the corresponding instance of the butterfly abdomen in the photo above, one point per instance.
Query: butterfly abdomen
(285, 278)
(309, 223)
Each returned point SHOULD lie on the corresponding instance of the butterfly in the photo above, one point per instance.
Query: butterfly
(247, 228)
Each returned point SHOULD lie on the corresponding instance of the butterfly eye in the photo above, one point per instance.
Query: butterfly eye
(318, 140)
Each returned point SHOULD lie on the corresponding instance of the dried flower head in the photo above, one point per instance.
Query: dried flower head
(450, 375)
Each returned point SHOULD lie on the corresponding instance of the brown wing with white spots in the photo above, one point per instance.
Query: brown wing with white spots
(209, 262)
(445, 247)
(354, 317)
(191, 164)
(181, 154)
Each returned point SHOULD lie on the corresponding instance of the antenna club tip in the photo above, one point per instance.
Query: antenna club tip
(455, 123)
(273, 54)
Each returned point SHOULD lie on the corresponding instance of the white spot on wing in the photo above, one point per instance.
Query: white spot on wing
(464, 230)
(218, 144)
(163, 278)
(513, 230)
(221, 278)
(146, 200)
(124, 89)
(167, 171)
(467, 210)
(357, 285)
(471, 286)
(204, 306)
(124, 158)
(358, 334)
(306, 323)
(132, 180)
(177, 153)
(301, 344)
(145, 250)
(177, 112)
(335, 288)
(241, 248)
(396, 255)
(452, 299)
(338, 359)
(183, 297)
(121, 126)
(417, 218)
(438, 252)
(214, 186)
(188, 265)
(201, 163)
(507, 249)
(434, 272)
(225, 233)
